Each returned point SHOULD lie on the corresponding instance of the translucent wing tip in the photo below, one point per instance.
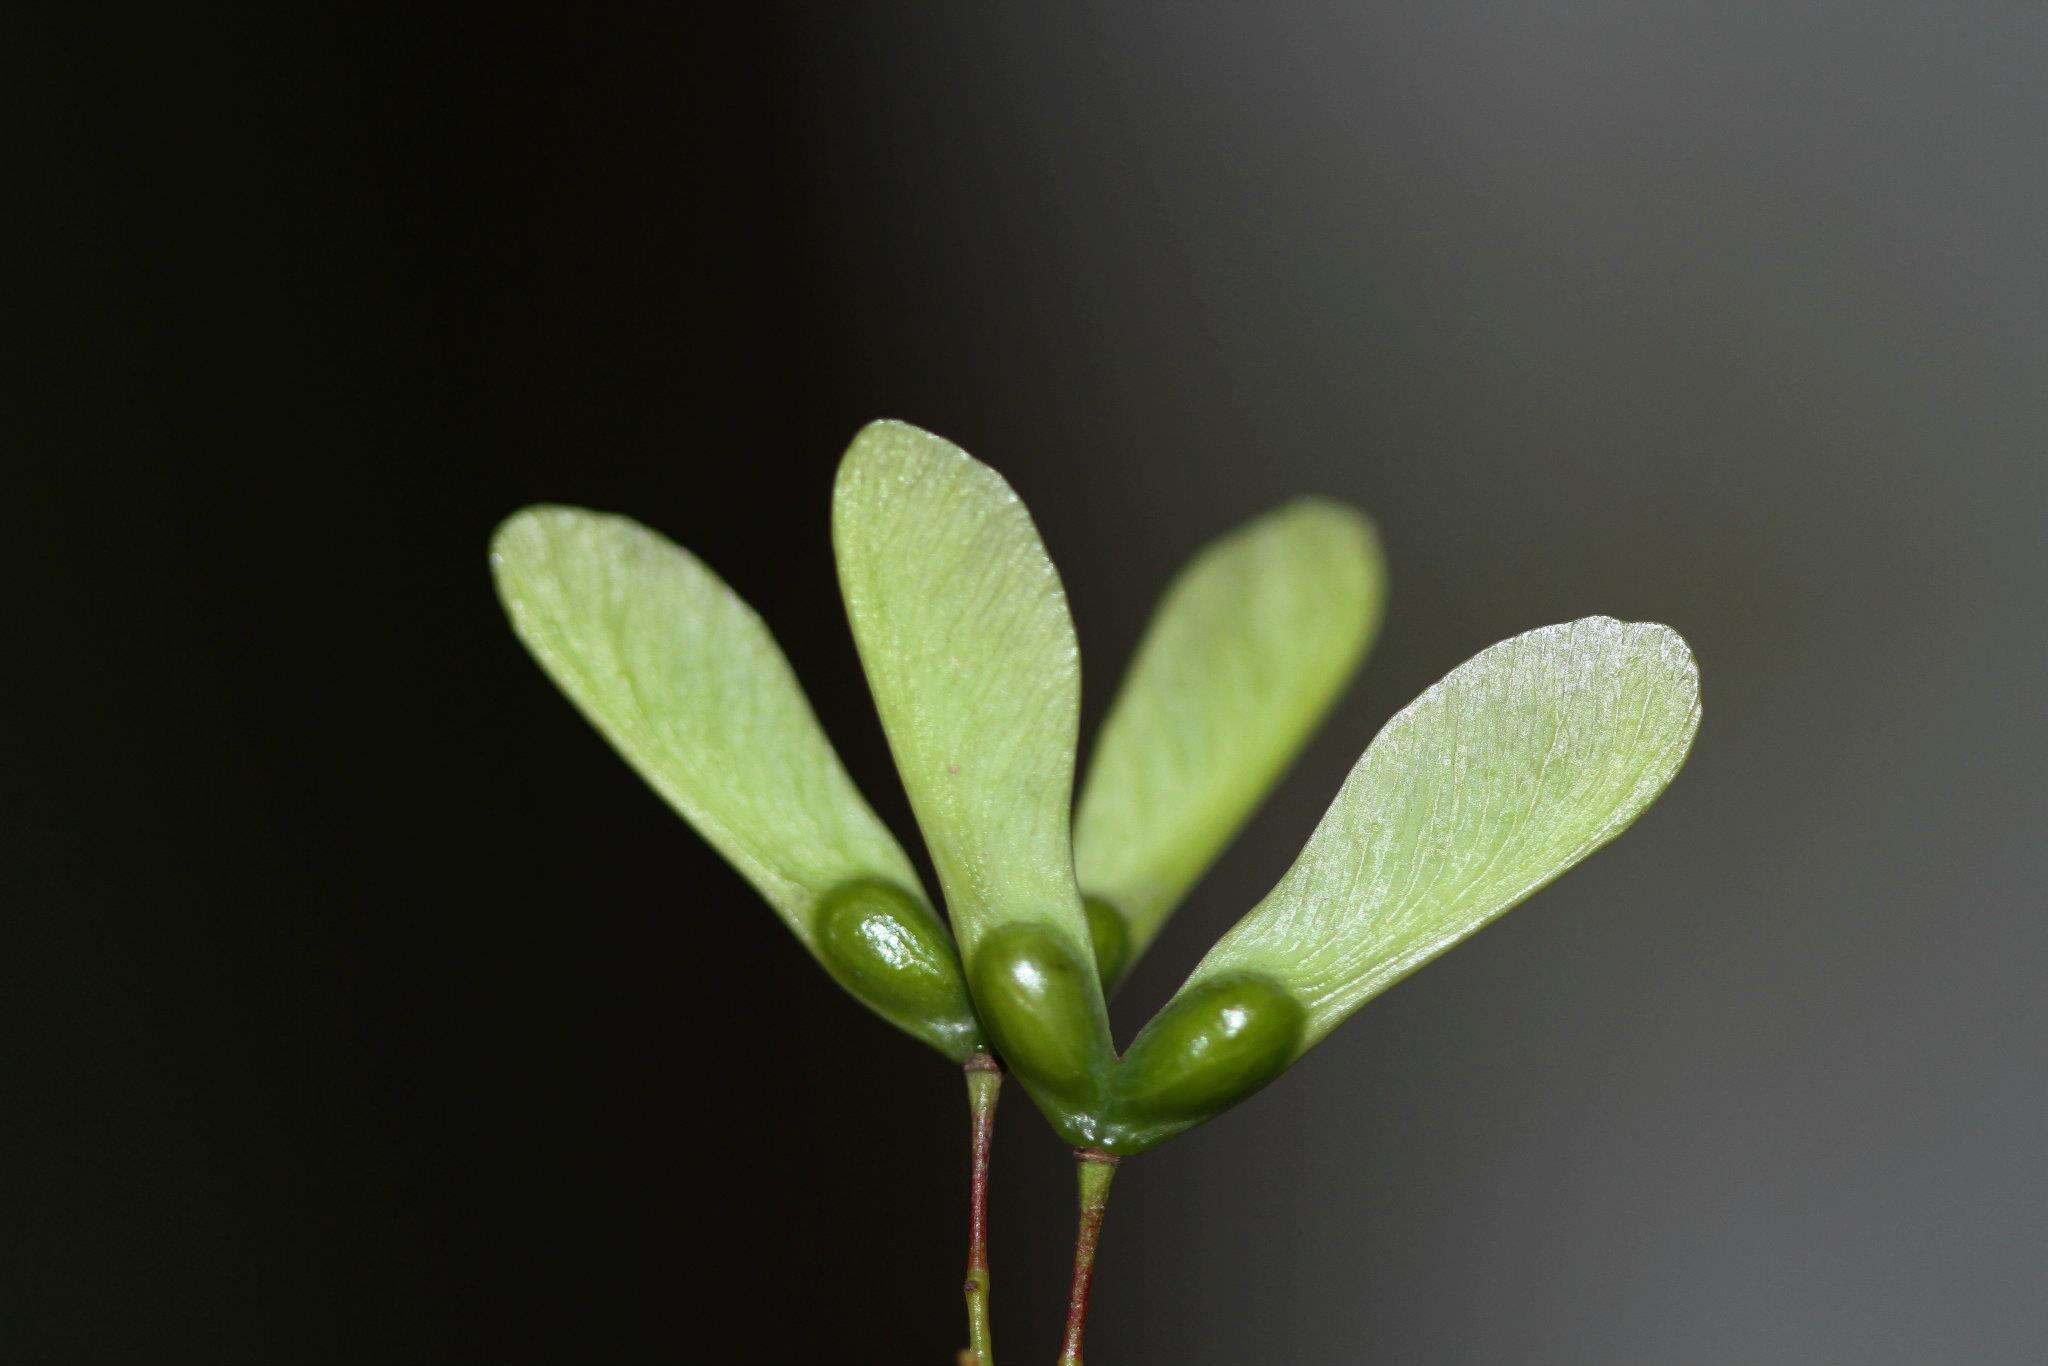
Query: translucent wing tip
(516, 533)
(1342, 527)
(528, 529)
(1601, 631)
(892, 439)
(895, 428)
(1609, 638)
(518, 545)
(1661, 649)
(888, 438)
(897, 455)
(1664, 645)
(1323, 508)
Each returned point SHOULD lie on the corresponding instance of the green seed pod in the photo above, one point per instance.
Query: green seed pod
(1112, 939)
(897, 959)
(1044, 1015)
(1202, 1054)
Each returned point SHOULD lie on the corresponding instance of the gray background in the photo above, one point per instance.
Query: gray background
(366, 1009)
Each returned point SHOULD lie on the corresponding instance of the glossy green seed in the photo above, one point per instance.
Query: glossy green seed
(895, 957)
(1043, 1012)
(1112, 939)
(1208, 1050)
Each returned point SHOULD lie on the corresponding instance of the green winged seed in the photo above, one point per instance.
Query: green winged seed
(964, 634)
(686, 683)
(1250, 646)
(889, 952)
(1039, 1003)
(1208, 1049)
(1525, 759)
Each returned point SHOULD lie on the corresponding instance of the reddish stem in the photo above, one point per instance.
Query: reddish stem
(1094, 1171)
(984, 1078)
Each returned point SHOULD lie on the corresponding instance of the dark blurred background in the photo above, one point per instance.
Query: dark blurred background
(362, 1007)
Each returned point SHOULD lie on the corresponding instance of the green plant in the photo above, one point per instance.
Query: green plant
(1496, 780)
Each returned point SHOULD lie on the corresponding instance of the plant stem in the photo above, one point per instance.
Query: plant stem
(1094, 1168)
(984, 1082)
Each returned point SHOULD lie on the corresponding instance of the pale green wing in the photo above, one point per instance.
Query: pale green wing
(963, 630)
(1521, 762)
(1254, 640)
(685, 681)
